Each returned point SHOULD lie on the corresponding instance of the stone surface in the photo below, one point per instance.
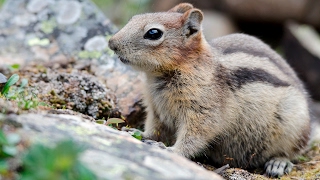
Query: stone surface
(3, 79)
(71, 89)
(110, 154)
(8, 107)
(69, 12)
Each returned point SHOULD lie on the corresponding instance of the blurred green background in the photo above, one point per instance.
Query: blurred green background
(120, 11)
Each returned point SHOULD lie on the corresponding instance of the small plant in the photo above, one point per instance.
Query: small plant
(137, 135)
(61, 162)
(112, 122)
(303, 158)
(11, 81)
(25, 97)
(14, 67)
(115, 121)
(7, 149)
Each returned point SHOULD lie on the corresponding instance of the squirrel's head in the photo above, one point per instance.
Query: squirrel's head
(165, 40)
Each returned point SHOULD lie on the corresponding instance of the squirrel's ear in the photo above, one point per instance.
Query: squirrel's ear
(181, 8)
(192, 21)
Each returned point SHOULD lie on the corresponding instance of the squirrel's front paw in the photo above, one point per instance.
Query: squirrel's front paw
(160, 145)
(175, 150)
(170, 149)
(154, 143)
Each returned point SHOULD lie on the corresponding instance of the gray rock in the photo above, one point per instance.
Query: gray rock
(8, 107)
(97, 43)
(35, 6)
(3, 79)
(110, 154)
(68, 12)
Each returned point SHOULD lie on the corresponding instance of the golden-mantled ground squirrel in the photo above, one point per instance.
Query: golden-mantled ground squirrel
(233, 100)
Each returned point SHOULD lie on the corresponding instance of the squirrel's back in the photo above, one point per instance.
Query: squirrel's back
(240, 50)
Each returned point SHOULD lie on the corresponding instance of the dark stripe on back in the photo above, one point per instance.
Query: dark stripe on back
(259, 53)
(243, 76)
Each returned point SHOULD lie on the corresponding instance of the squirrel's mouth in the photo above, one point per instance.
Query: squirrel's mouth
(125, 61)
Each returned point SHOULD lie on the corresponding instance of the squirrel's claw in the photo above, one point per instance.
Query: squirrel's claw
(277, 167)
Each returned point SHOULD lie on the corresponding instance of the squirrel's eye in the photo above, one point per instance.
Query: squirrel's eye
(153, 34)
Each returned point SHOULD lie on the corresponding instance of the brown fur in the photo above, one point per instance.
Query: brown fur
(234, 100)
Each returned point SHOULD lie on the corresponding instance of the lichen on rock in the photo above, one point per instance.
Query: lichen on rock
(68, 12)
(96, 43)
(71, 89)
(35, 6)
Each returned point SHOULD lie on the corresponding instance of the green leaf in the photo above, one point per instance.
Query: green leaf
(11, 81)
(137, 135)
(14, 67)
(28, 104)
(13, 138)
(3, 139)
(101, 121)
(60, 162)
(37, 157)
(3, 167)
(10, 150)
(83, 173)
(42, 104)
(24, 83)
(114, 121)
(66, 153)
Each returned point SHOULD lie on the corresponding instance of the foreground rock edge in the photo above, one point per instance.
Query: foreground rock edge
(111, 154)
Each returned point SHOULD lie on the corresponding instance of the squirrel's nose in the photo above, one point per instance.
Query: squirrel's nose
(112, 45)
